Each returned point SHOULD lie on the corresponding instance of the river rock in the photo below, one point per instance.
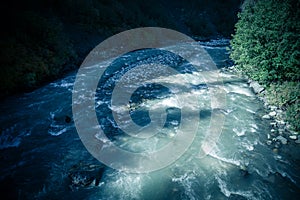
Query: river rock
(257, 88)
(280, 130)
(272, 114)
(269, 142)
(266, 117)
(68, 119)
(288, 126)
(244, 172)
(297, 141)
(282, 139)
(266, 105)
(272, 108)
(293, 137)
(273, 130)
(275, 150)
(280, 122)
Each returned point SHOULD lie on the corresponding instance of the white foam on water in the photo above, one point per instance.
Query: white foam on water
(57, 132)
(254, 126)
(223, 159)
(123, 186)
(248, 146)
(170, 102)
(239, 132)
(227, 192)
(187, 181)
(250, 111)
(63, 84)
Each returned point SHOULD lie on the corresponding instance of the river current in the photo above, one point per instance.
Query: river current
(40, 145)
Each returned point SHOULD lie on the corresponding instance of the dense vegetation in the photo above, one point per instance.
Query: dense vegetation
(266, 47)
(42, 39)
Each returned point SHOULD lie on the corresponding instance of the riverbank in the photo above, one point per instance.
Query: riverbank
(42, 41)
(281, 130)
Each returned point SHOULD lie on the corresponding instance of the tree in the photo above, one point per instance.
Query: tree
(266, 47)
(266, 43)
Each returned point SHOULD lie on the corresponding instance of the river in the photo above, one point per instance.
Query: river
(40, 146)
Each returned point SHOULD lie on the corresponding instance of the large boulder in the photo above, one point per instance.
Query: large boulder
(257, 88)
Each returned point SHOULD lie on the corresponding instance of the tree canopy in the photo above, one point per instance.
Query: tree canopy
(266, 47)
(266, 44)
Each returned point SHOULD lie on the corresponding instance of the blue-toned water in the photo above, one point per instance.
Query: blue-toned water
(40, 145)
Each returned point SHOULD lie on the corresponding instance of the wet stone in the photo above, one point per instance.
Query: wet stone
(293, 137)
(272, 114)
(273, 130)
(280, 122)
(275, 150)
(257, 88)
(282, 139)
(280, 130)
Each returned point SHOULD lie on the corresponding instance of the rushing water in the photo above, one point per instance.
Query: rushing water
(39, 143)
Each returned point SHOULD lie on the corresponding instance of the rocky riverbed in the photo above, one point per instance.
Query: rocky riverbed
(255, 157)
(281, 132)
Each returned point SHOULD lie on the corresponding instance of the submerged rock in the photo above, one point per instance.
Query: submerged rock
(257, 88)
(68, 119)
(244, 172)
(275, 150)
(282, 139)
(84, 175)
(278, 144)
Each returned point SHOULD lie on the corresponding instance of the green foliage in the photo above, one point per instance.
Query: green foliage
(42, 39)
(287, 96)
(293, 115)
(37, 52)
(266, 44)
(284, 94)
(266, 47)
